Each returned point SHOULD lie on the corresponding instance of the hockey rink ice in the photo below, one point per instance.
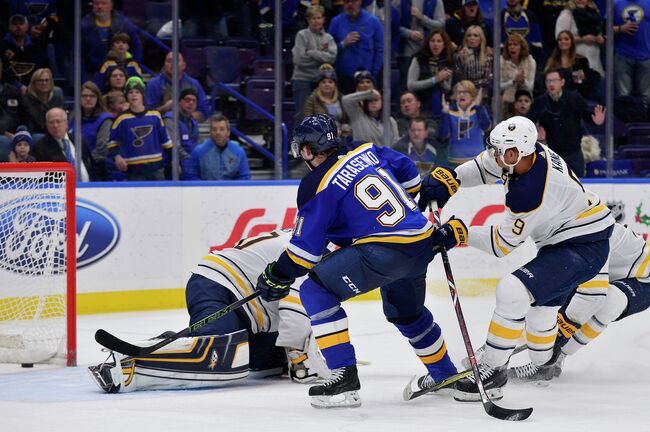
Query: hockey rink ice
(604, 387)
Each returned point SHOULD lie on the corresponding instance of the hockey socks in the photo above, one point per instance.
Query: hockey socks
(425, 336)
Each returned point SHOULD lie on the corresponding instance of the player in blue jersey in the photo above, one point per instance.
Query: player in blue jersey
(359, 201)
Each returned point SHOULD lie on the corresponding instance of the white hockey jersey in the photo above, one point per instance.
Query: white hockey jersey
(547, 204)
(629, 255)
(238, 269)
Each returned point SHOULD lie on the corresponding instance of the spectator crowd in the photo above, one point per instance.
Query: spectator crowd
(551, 60)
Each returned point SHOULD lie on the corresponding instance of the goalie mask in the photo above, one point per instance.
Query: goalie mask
(514, 133)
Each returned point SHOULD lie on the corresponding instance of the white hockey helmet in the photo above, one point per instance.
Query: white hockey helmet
(516, 132)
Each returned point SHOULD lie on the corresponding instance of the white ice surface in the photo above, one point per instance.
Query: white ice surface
(605, 387)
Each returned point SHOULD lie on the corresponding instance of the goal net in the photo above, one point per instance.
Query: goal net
(37, 263)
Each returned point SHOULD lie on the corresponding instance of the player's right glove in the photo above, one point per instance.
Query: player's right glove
(273, 287)
(441, 185)
(450, 234)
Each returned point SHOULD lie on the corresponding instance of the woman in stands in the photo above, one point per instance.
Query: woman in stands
(42, 95)
(430, 73)
(326, 99)
(517, 70)
(574, 68)
(583, 19)
(116, 79)
(364, 109)
(95, 129)
(474, 61)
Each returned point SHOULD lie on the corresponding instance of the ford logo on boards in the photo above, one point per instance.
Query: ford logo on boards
(32, 234)
(97, 232)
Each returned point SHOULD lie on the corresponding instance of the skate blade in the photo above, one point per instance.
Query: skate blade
(493, 394)
(344, 400)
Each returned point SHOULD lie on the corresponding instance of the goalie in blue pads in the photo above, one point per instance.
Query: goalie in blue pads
(261, 338)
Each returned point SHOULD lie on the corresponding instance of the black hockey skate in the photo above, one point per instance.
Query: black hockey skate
(340, 391)
(426, 384)
(539, 375)
(493, 381)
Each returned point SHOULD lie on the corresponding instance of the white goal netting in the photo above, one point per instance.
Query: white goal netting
(33, 266)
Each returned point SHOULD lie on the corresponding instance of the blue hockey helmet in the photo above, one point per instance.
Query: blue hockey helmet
(318, 131)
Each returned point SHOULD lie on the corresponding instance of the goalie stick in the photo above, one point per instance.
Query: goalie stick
(409, 394)
(116, 344)
(490, 407)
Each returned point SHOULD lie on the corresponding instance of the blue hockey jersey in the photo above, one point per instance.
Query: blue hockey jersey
(359, 197)
(139, 137)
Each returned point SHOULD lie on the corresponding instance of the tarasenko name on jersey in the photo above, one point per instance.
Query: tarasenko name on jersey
(345, 175)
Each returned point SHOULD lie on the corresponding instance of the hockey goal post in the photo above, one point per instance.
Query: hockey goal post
(37, 263)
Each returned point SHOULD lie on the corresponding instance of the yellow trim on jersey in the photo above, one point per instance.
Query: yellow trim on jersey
(241, 283)
(592, 211)
(144, 161)
(641, 271)
(325, 181)
(414, 189)
(504, 332)
(540, 340)
(333, 339)
(503, 250)
(301, 262)
(588, 331)
(291, 299)
(122, 117)
(206, 350)
(394, 239)
(594, 284)
(434, 358)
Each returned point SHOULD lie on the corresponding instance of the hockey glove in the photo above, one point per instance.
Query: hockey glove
(272, 287)
(441, 185)
(450, 234)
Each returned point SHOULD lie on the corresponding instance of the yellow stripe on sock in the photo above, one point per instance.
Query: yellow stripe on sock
(588, 331)
(333, 339)
(540, 340)
(504, 332)
(434, 358)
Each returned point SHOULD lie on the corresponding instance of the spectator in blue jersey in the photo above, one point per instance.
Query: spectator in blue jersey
(158, 94)
(516, 19)
(632, 48)
(418, 146)
(138, 137)
(42, 95)
(464, 123)
(95, 129)
(119, 55)
(358, 201)
(21, 146)
(188, 128)
(418, 18)
(98, 29)
(218, 157)
(462, 19)
(19, 55)
(360, 40)
(431, 71)
(312, 48)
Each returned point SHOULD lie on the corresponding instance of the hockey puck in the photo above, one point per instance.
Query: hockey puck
(27, 365)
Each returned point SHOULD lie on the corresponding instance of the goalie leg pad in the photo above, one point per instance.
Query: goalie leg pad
(541, 332)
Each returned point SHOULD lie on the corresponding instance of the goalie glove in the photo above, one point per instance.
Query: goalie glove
(441, 185)
(273, 287)
(450, 234)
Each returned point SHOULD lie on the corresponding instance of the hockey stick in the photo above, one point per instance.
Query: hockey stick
(116, 344)
(489, 406)
(409, 394)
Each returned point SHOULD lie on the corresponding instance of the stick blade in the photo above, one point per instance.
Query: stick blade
(507, 414)
(111, 342)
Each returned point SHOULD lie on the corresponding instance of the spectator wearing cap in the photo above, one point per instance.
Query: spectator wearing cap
(42, 95)
(21, 146)
(10, 114)
(119, 55)
(364, 110)
(158, 94)
(218, 157)
(360, 40)
(98, 29)
(42, 17)
(57, 145)
(313, 47)
(522, 105)
(188, 128)
(462, 19)
(364, 80)
(326, 99)
(19, 55)
(138, 137)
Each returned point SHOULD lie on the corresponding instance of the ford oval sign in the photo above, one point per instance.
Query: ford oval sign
(32, 234)
(97, 232)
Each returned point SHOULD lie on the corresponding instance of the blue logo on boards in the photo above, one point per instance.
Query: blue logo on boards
(97, 233)
(33, 238)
